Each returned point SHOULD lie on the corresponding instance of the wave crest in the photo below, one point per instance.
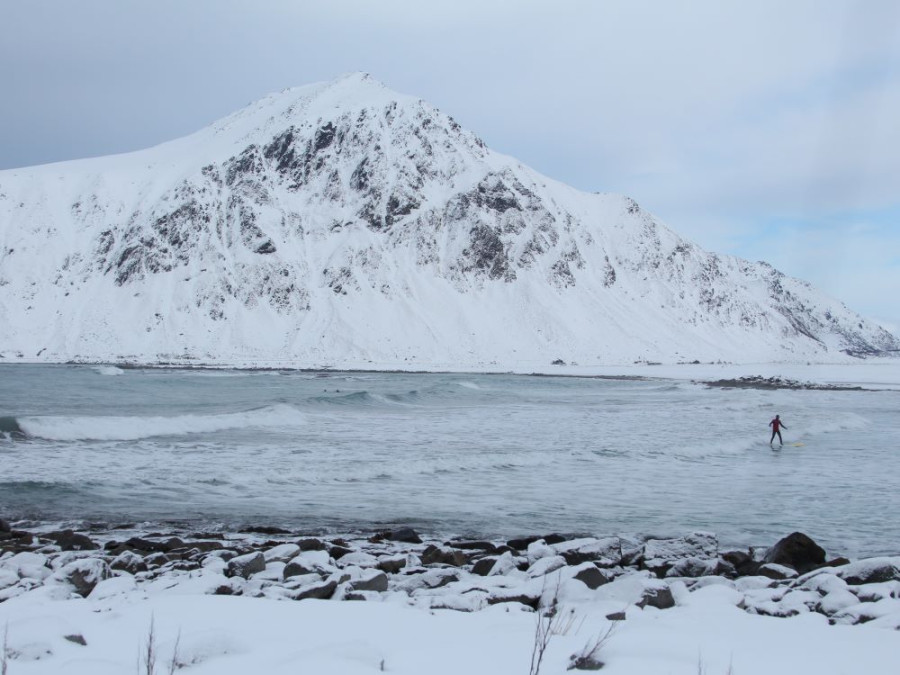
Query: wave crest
(130, 428)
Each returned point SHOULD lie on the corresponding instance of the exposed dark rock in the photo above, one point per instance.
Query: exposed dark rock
(391, 565)
(264, 529)
(872, 571)
(402, 534)
(659, 596)
(296, 568)
(486, 546)
(321, 591)
(76, 639)
(129, 561)
(246, 565)
(147, 546)
(484, 566)
(311, 545)
(797, 551)
(4, 525)
(85, 574)
(659, 555)
(743, 562)
(592, 577)
(759, 382)
(528, 599)
(616, 616)
(439, 555)
(68, 540)
(338, 551)
(376, 582)
(157, 559)
(522, 543)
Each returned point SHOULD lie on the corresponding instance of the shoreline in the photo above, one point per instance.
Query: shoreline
(266, 561)
(876, 374)
(395, 601)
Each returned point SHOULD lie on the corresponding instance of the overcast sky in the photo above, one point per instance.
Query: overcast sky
(767, 129)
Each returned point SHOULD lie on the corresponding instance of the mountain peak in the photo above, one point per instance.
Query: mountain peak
(343, 223)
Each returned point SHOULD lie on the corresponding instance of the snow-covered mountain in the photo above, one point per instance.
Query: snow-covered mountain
(346, 225)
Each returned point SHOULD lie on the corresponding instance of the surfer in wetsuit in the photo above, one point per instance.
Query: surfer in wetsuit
(777, 426)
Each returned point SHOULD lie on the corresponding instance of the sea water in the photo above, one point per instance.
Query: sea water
(475, 455)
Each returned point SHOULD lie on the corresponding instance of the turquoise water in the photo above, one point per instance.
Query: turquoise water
(481, 455)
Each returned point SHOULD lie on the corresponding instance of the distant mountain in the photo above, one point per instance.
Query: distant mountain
(346, 225)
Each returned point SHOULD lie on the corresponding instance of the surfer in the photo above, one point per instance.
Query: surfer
(777, 425)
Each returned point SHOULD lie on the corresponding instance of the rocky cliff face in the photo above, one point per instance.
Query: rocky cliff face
(344, 224)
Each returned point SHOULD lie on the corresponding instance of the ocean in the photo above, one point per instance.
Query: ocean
(488, 456)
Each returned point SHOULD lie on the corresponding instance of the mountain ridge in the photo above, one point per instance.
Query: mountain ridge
(341, 223)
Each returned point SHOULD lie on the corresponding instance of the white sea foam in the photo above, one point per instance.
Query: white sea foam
(108, 370)
(113, 428)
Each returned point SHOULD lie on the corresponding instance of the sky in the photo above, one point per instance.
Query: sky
(767, 130)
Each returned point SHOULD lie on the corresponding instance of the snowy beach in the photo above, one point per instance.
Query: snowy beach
(281, 603)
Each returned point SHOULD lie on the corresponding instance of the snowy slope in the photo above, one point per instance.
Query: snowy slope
(344, 224)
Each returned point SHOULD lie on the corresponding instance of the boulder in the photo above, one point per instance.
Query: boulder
(67, 540)
(836, 601)
(130, 562)
(28, 565)
(777, 572)
(311, 544)
(157, 560)
(797, 551)
(403, 534)
(359, 559)
(440, 555)
(146, 545)
(246, 565)
(4, 526)
(371, 581)
(606, 552)
(522, 543)
(743, 563)
(870, 571)
(338, 551)
(528, 599)
(281, 553)
(391, 565)
(483, 566)
(591, 576)
(485, 546)
(83, 575)
(265, 529)
(693, 567)
(661, 554)
(318, 591)
(657, 595)
(544, 566)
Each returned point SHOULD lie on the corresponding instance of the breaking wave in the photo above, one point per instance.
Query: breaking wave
(64, 428)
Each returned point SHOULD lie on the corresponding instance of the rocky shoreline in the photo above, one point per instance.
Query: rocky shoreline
(791, 577)
(759, 382)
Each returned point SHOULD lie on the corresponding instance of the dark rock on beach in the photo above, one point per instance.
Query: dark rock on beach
(783, 580)
(758, 382)
(68, 540)
(798, 551)
(402, 534)
(246, 565)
